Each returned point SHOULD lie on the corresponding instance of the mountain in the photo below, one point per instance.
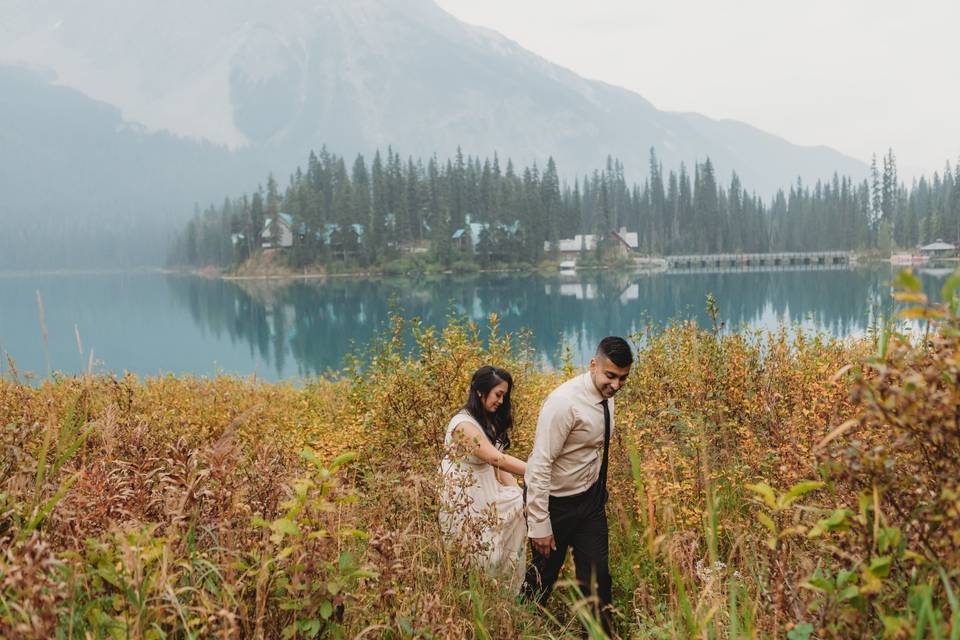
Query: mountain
(358, 74)
(79, 187)
(151, 105)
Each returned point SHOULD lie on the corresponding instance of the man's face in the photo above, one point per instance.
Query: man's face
(607, 376)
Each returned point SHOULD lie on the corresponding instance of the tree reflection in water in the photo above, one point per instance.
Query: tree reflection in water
(317, 322)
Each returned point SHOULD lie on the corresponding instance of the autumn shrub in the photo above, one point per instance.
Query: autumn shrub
(707, 412)
(763, 485)
(868, 547)
(890, 546)
(179, 507)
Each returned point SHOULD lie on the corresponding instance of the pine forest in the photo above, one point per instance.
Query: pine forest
(365, 214)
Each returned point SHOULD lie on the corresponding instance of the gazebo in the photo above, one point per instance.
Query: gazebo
(939, 249)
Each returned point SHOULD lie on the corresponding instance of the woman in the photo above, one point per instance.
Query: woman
(481, 510)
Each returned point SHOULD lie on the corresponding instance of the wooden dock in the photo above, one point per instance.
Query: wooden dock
(737, 261)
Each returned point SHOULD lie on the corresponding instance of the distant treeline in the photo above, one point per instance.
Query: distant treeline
(373, 213)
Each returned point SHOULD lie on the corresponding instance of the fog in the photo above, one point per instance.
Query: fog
(117, 118)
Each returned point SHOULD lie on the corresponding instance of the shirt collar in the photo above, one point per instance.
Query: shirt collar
(591, 389)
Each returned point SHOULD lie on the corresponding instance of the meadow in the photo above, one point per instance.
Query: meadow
(763, 485)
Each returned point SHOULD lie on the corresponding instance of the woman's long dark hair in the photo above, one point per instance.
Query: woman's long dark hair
(497, 425)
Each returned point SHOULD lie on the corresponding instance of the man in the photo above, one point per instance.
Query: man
(566, 478)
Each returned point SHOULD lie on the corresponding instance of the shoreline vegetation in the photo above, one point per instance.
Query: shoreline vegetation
(763, 485)
(269, 270)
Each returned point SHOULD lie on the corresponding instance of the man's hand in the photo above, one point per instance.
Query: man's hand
(544, 545)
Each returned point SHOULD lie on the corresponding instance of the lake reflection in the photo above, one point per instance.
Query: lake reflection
(154, 323)
(308, 326)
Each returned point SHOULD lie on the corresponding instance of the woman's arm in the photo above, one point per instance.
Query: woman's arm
(487, 452)
(506, 479)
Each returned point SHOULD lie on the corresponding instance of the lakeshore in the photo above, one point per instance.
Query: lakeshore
(270, 270)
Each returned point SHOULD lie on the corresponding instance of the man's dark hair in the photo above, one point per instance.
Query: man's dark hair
(616, 350)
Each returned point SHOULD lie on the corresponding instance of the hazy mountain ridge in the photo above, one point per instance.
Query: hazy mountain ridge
(83, 188)
(141, 84)
(361, 74)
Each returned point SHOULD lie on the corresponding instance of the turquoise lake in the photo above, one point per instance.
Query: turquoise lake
(154, 323)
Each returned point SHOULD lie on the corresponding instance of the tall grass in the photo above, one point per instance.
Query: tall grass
(741, 505)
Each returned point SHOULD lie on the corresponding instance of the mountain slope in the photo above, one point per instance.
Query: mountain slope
(82, 188)
(358, 74)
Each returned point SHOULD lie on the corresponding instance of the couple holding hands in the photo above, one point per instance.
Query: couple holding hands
(562, 503)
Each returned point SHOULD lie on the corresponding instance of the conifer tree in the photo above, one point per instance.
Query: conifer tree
(888, 194)
(673, 212)
(686, 236)
(273, 211)
(706, 209)
(377, 226)
(362, 206)
(440, 240)
(658, 206)
(456, 172)
(343, 212)
(876, 192)
(487, 194)
(257, 220)
(414, 222)
(552, 213)
(737, 225)
(603, 216)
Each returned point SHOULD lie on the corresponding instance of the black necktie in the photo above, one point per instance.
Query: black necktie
(606, 443)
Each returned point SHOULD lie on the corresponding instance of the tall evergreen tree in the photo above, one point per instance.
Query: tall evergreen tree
(552, 205)
(440, 223)
(376, 246)
(273, 211)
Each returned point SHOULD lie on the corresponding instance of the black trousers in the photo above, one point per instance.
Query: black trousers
(579, 522)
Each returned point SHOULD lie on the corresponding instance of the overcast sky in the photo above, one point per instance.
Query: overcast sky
(856, 75)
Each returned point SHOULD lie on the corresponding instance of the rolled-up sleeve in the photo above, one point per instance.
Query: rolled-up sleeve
(553, 426)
